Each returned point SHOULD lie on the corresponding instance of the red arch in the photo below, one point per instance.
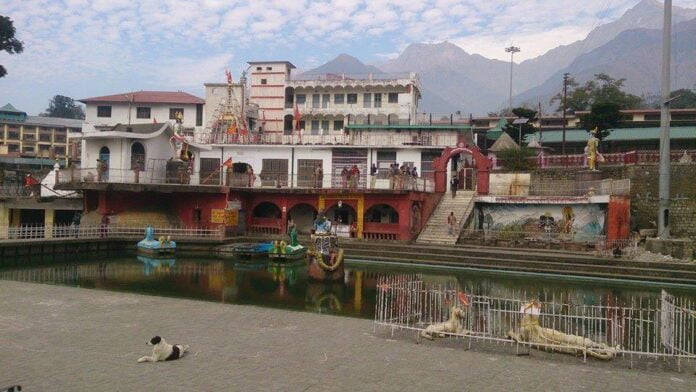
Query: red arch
(483, 167)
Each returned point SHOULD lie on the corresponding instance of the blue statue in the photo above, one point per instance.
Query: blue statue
(164, 245)
(322, 225)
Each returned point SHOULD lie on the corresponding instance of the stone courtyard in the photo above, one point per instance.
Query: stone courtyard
(62, 338)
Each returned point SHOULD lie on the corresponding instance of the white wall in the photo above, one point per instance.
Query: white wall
(119, 114)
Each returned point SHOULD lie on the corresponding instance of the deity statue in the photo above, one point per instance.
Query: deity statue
(178, 140)
(293, 236)
(592, 145)
(322, 225)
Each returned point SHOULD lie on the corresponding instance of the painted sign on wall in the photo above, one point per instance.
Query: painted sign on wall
(230, 217)
(578, 222)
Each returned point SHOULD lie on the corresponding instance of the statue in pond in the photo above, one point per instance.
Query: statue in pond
(325, 258)
(547, 339)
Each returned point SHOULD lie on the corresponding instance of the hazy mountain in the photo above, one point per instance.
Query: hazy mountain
(633, 55)
(343, 63)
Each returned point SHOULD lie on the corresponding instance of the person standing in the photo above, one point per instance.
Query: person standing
(451, 223)
(76, 223)
(319, 177)
(414, 178)
(104, 226)
(454, 184)
(373, 176)
(344, 177)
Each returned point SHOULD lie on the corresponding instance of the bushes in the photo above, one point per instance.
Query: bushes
(517, 159)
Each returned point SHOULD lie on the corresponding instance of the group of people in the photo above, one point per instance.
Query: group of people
(350, 177)
(402, 177)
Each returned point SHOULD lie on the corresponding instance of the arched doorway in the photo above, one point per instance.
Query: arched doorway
(266, 209)
(382, 213)
(481, 164)
(104, 157)
(303, 215)
(343, 218)
(287, 124)
(137, 156)
(266, 218)
(242, 175)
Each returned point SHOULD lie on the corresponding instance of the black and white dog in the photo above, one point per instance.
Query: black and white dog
(164, 351)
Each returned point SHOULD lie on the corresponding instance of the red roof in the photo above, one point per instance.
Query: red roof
(148, 97)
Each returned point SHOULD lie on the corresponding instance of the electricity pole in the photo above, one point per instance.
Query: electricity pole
(512, 50)
(565, 95)
(665, 161)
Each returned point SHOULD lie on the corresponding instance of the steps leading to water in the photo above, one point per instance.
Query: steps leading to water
(437, 230)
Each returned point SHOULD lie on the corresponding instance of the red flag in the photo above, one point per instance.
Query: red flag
(227, 163)
(463, 298)
(297, 116)
(229, 76)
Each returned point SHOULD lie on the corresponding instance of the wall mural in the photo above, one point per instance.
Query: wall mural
(576, 222)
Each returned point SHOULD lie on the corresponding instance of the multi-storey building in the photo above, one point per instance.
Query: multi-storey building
(36, 137)
(327, 103)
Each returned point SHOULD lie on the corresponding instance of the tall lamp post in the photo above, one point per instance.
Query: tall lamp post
(663, 223)
(512, 50)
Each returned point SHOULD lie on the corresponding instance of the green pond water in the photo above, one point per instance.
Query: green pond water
(263, 283)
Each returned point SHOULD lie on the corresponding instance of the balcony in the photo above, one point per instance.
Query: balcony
(392, 139)
(356, 80)
(90, 178)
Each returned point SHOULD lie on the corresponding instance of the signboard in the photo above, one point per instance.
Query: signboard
(230, 217)
(217, 215)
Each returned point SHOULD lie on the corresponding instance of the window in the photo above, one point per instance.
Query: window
(315, 100)
(142, 112)
(13, 148)
(264, 81)
(325, 99)
(315, 127)
(338, 125)
(44, 147)
(384, 159)
(59, 138)
(269, 68)
(300, 99)
(339, 99)
(59, 150)
(393, 98)
(199, 115)
(325, 127)
(45, 137)
(137, 156)
(13, 134)
(103, 111)
(28, 150)
(352, 98)
(378, 100)
(367, 100)
(29, 136)
(174, 111)
(259, 68)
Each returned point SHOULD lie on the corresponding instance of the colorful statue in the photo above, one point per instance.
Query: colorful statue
(178, 140)
(592, 145)
(322, 225)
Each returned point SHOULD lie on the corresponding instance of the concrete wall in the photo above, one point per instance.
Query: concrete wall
(119, 114)
(644, 193)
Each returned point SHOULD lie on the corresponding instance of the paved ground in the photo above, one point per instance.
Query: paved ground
(60, 338)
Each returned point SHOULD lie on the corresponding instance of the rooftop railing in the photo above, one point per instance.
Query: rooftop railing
(348, 77)
(354, 139)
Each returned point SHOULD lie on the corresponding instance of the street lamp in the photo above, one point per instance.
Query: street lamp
(512, 50)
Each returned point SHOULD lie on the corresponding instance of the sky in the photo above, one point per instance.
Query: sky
(85, 48)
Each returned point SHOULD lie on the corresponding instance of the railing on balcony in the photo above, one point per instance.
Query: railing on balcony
(14, 190)
(353, 139)
(27, 232)
(263, 180)
(381, 76)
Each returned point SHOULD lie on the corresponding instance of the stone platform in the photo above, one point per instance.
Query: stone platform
(60, 338)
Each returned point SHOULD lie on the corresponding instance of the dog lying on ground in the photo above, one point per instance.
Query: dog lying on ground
(162, 351)
(453, 325)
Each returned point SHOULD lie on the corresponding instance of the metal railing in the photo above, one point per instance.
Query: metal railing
(14, 190)
(263, 180)
(610, 327)
(112, 231)
(353, 139)
(336, 77)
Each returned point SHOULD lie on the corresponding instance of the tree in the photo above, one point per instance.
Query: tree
(64, 107)
(517, 159)
(686, 99)
(528, 128)
(603, 89)
(604, 116)
(8, 42)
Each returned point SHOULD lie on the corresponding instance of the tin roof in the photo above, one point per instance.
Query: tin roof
(148, 97)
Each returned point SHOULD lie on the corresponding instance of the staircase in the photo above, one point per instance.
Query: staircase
(436, 231)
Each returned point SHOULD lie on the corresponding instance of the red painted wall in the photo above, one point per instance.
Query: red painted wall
(619, 218)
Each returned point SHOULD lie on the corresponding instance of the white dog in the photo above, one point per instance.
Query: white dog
(163, 351)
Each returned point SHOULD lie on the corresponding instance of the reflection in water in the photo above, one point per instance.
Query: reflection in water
(259, 282)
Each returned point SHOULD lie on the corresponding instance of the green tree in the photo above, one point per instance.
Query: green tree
(517, 159)
(604, 116)
(602, 89)
(528, 128)
(685, 99)
(64, 107)
(8, 42)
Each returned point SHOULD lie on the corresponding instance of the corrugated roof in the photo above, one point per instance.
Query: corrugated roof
(148, 97)
(10, 108)
(618, 134)
(54, 121)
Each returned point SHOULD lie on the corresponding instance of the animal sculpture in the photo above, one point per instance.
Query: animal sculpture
(455, 324)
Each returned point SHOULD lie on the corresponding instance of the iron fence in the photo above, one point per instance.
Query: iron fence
(607, 328)
(115, 231)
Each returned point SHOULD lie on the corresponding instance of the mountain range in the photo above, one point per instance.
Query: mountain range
(629, 47)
